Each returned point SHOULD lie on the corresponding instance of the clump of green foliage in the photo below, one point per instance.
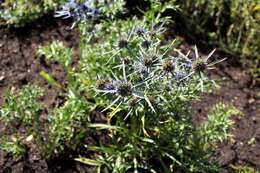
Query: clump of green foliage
(12, 145)
(67, 125)
(18, 13)
(63, 128)
(233, 25)
(244, 169)
(21, 107)
(218, 123)
(56, 51)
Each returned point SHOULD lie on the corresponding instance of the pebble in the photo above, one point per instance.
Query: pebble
(2, 78)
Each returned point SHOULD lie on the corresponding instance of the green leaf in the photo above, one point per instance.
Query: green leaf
(149, 103)
(50, 79)
(114, 112)
(148, 140)
(104, 126)
(88, 161)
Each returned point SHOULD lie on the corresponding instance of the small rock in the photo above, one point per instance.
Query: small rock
(2, 78)
(227, 156)
(251, 100)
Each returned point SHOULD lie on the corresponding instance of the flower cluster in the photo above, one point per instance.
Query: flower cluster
(78, 11)
(142, 71)
(123, 89)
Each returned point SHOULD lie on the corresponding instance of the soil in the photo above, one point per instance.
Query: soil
(20, 66)
(243, 148)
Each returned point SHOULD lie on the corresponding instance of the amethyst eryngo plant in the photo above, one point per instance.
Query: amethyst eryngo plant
(77, 10)
(89, 10)
(146, 98)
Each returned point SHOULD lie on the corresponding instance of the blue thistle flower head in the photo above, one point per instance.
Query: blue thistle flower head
(147, 61)
(180, 75)
(125, 60)
(188, 65)
(199, 65)
(67, 10)
(71, 4)
(78, 11)
(83, 7)
(140, 31)
(142, 70)
(95, 12)
(133, 102)
(87, 3)
(124, 88)
(101, 84)
(168, 66)
(122, 44)
(146, 44)
(106, 85)
(110, 86)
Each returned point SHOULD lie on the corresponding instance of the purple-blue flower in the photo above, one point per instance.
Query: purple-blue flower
(180, 75)
(78, 11)
(141, 69)
(110, 86)
(140, 31)
(188, 65)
